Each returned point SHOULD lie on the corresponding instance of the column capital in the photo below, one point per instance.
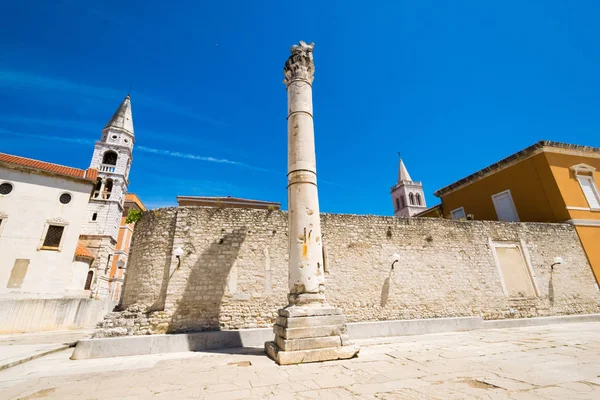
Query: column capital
(300, 65)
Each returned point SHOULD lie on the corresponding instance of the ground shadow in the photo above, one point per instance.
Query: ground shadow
(551, 289)
(385, 290)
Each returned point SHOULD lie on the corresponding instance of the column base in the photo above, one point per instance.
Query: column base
(306, 334)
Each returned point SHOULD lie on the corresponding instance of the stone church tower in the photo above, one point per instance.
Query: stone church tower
(112, 158)
(407, 195)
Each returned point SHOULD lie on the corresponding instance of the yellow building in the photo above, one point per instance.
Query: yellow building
(546, 182)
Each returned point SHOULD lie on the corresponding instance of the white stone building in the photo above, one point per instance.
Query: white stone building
(42, 209)
(112, 158)
(407, 195)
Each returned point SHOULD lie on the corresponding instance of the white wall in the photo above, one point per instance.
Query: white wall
(79, 275)
(33, 201)
(35, 315)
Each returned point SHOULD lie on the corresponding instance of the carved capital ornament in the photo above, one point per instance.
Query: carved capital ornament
(300, 65)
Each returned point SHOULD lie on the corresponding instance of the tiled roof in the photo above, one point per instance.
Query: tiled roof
(90, 174)
(514, 158)
(82, 251)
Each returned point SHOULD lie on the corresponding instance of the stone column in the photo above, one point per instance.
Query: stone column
(308, 329)
(306, 278)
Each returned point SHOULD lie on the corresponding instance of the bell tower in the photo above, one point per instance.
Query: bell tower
(407, 195)
(112, 158)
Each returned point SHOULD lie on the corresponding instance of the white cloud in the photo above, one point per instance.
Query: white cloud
(177, 154)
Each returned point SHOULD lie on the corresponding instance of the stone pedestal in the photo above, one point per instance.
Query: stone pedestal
(310, 334)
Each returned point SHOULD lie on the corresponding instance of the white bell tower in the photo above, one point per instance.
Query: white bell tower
(112, 158)
(407, 195)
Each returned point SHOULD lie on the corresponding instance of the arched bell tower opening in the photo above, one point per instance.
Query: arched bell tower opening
(408, 198)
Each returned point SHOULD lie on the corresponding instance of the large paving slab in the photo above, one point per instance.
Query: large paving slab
(539, 362)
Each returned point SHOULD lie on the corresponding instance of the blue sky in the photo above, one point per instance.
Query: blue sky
(453, 86)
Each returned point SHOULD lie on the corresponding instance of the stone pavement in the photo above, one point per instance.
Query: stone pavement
(543, 362)
(18, 348)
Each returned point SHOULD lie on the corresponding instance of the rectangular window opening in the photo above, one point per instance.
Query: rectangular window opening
(590, 191)
(458, 213)
(505, 207)
(53, 236)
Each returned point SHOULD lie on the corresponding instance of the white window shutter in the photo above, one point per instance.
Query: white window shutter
(505, 207)
(589, 191)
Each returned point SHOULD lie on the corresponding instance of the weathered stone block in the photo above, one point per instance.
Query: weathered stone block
(307, 356)
(311, 332)
(294, 311)
(305, 322)
(307, 343)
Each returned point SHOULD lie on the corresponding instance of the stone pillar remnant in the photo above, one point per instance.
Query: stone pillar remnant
(308, 329)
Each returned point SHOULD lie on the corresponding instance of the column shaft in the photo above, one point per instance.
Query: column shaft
(306, 275)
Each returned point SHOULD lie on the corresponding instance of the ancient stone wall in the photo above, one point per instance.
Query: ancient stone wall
(150, 259)
(233, 273)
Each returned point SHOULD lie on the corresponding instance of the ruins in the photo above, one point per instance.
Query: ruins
(194, 269)
(308, 329)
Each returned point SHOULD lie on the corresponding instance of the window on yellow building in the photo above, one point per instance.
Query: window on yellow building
(585, 176)
(590, 191)
(505, 207)
(459, 213)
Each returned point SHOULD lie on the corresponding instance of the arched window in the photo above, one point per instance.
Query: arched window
(110, 158)
(107, 189)
(88, 281)
(411, 197)
(418, 196)
(398, 203)
(401, 201)
(97, 188)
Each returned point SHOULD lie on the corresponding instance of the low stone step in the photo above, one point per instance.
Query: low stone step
(312, 332)
(306, 322)
(307, 343)
(295, 311)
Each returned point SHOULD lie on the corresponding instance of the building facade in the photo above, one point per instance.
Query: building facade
(112, 158)
(407, 195)
(546, 182)
(42, 209)
(121, 254)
